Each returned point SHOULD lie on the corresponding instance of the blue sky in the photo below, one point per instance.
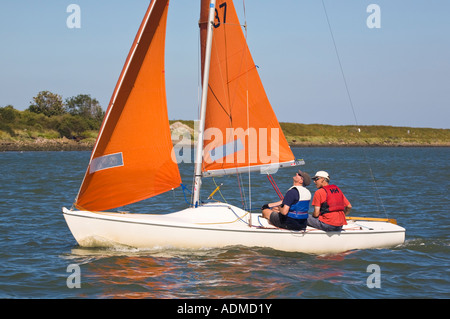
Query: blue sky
(398, 74)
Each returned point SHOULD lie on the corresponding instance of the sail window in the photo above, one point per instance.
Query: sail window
(226, 149)
(106, 161)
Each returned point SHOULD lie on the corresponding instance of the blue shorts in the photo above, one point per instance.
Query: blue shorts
(316, 223)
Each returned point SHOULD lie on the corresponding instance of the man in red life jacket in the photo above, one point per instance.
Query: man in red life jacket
(330, 205)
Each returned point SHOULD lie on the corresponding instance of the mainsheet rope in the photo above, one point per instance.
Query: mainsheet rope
(275, 187)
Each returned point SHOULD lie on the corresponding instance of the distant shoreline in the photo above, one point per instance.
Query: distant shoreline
(352, 144)
(297, 135)
(63, 144)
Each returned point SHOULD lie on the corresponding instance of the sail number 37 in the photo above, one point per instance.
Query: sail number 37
(223, 6)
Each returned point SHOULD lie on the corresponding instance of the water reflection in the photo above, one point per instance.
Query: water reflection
(233, 272)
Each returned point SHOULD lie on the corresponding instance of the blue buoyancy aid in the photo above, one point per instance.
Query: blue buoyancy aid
(300, 209)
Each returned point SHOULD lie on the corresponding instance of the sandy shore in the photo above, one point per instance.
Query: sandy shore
(40, 144)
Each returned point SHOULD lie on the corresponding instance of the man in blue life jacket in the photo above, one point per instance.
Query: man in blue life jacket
(292, 211)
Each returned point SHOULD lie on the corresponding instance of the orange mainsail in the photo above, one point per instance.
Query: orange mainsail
(132, 157)
(241, 129)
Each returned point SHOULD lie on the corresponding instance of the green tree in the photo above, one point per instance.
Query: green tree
(71, 126)
(8, 114)
(7, 117)
(85, 106)
(47, 103)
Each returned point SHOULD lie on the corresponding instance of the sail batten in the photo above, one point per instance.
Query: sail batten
(133, 156)
(263, 169)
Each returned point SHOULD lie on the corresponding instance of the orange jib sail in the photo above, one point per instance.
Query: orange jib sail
(241, 129)
(132, 158)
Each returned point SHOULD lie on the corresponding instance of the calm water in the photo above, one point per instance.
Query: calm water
(36, 246)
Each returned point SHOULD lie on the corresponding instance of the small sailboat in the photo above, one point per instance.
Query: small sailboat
(133, 158)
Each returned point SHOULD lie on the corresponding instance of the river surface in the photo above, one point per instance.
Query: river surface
(38, 252)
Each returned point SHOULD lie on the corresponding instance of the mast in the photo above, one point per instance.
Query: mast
(199, 151)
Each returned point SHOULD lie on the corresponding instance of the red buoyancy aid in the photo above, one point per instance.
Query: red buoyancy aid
(335, 200)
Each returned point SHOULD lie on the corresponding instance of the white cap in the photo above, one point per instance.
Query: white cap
(322, 174)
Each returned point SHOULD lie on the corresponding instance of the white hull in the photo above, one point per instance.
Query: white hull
(220, 225)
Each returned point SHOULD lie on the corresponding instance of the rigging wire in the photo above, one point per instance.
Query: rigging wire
(340, 64)
(248, 122)
(353, 108)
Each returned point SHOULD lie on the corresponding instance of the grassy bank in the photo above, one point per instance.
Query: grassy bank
(36, 138)
(350, 135)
